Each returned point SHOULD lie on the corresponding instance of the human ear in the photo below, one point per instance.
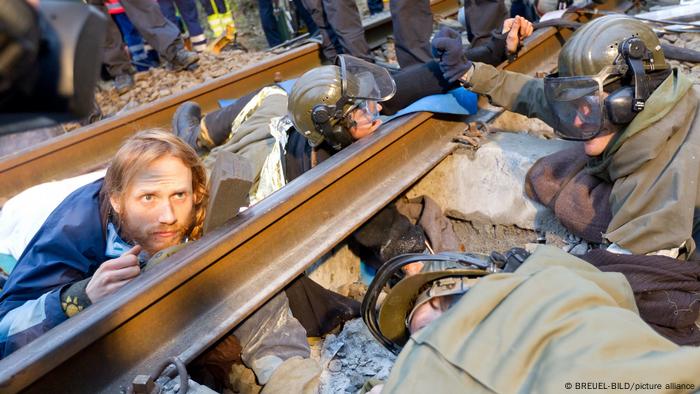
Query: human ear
(115, 202)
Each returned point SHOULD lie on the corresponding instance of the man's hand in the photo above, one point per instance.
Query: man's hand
(448, 50)
(113, 274)
(518, 29)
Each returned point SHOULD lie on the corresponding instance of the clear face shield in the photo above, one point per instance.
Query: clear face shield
(363, 85)
(578, 103)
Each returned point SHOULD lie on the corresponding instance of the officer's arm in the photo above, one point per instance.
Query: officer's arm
(515, 92)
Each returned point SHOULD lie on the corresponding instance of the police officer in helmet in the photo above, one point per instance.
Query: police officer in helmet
(630, 184)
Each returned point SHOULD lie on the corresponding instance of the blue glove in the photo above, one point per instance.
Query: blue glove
(447, 49)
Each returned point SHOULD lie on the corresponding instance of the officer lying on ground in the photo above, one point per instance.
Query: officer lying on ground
(556, 321)
(632, 184)
(222, 127)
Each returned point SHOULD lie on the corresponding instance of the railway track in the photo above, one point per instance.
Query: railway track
(183, 306)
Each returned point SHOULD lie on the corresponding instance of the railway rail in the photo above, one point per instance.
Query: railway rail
(183, 306)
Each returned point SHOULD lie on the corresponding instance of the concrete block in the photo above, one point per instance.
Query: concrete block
(338, 268)
(230, 181)
(486, 185)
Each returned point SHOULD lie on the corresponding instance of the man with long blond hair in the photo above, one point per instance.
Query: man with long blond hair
(153, 196)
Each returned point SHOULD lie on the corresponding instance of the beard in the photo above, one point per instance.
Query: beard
(147, 234)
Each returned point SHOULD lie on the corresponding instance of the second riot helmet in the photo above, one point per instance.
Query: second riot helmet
(322, 99)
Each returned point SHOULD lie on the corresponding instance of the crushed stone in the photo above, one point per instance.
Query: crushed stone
(352, 357)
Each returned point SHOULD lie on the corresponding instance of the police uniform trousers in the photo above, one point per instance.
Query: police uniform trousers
(413, 24)
(483, 16)
(341, 27)
(146, 16)
(188, 13)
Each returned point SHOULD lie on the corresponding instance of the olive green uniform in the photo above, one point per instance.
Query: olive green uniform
(652, 163)
(556, 321)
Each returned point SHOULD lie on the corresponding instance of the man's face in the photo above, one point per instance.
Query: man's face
(157, 208)
(596, 145)
(430, 311)
(366, 121)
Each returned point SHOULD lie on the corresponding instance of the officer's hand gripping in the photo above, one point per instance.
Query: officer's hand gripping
(447, 49)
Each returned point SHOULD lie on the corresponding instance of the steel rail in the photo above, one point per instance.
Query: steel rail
(194, 298)
(93, 145)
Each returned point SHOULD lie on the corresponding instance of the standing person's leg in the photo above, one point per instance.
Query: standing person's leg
(114, 55)
(328, 37)
(133, 40)
(344, 18)
(225, 14)
(483, 16)
(306, 17)
(206, 5)
(167, 7)
(413, 23)
(188, 11)
(212, 18)
(269, 24)
(375, 6)
(162, 34)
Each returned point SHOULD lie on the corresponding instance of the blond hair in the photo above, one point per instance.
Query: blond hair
(138, 152)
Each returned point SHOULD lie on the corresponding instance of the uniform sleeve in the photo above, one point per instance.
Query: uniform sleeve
(515, 92)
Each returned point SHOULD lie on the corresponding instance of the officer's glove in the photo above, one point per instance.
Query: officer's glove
(511, 260)
(448, 50)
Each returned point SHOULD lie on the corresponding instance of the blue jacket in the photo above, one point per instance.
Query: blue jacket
(67, 248)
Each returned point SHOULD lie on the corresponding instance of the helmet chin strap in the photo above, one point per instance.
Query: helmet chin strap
(635, 53)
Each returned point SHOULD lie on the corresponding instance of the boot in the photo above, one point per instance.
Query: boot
(183, 60)
(123, 83)
(186, 124)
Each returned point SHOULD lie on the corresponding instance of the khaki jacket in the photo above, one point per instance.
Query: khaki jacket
(653, 164)
(556, 321)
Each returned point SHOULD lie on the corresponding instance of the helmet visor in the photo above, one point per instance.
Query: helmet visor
(364, 80)
(577, 104)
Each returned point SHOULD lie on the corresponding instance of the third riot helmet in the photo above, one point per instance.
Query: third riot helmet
(613, 48)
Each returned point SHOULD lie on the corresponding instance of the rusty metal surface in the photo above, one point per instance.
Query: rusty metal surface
(185, 305)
